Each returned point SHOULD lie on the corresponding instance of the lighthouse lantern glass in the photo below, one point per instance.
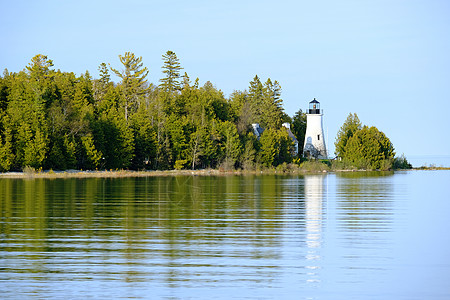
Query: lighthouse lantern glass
(314, 107)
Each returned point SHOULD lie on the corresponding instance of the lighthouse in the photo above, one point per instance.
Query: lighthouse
(314, 138)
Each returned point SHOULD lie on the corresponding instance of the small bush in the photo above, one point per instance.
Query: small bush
(401, 163)
(179, 164)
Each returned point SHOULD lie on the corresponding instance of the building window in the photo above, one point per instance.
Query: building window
(318, 137)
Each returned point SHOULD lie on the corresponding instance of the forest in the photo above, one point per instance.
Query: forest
(54, 120)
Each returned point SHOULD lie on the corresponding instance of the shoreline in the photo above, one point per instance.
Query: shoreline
(166, 173)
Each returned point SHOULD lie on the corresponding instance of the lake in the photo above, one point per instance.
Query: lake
(355, 235)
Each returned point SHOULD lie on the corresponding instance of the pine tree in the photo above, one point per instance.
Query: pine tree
(271, 109)
(233, 148)
(133, 84)
(101, 85)
(256, 95)
(6, 155)
(171, 69)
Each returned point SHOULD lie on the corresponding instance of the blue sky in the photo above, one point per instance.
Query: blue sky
(386, 60)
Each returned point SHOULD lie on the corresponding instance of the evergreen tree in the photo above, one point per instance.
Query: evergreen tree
(299, 129)
(171, 70)
(255, 94)
(41, 78)
(276, 147)
(369, 148)
(6, 155)
(250, 151)
(351, 125)
(5, 85)
(115, 139)
(232, 144)
(145, 140)
(101, 85)
(27, 122)
(177, 127)
(242, 110)
(271, 109)
(133, 84)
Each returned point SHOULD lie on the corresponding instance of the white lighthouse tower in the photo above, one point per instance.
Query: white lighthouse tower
(314, 138)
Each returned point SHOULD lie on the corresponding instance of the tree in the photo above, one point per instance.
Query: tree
(171, 69)
(276, 147)
(41, 79)
(6, 155)
(177, 128)
(115, 140)
(101, 85)
(256, 94)
(351, 125)
(299, 129)
(271, 108)
(248, 158)
(26, 122)
(369, 148)
(144, 139)
(242, 111)
(232, 144)
(401, 163)
(39, 67)
(133, 84)
(5, 85)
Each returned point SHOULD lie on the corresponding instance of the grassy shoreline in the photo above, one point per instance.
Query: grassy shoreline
(205, 172)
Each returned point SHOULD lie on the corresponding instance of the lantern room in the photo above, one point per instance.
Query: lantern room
(314, 107)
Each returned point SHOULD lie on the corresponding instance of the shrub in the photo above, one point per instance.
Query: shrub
(179, 164)
(401, 163)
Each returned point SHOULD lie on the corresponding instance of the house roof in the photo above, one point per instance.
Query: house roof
(292, 136)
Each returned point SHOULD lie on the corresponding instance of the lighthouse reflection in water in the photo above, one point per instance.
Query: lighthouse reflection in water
(314, 198)
(311, 202)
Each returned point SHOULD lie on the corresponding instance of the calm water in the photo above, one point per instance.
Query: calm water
(335, 236)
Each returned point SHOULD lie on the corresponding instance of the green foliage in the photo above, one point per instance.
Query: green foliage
(369, 148)
(249, 154)
(145, 141)
(232, 144)
(366, 148)
(314, 166)
(180, 164)
(271, 110)
(171, 70)
(6, 155)
(275, 147)
(91, 156)
(133, 84)
(299, 129)
(401, 163)
(58, 120)
(347, 130)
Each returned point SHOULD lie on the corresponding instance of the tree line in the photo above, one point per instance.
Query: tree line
(51, 119)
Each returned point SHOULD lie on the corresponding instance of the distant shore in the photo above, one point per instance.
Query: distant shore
(205, 172)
